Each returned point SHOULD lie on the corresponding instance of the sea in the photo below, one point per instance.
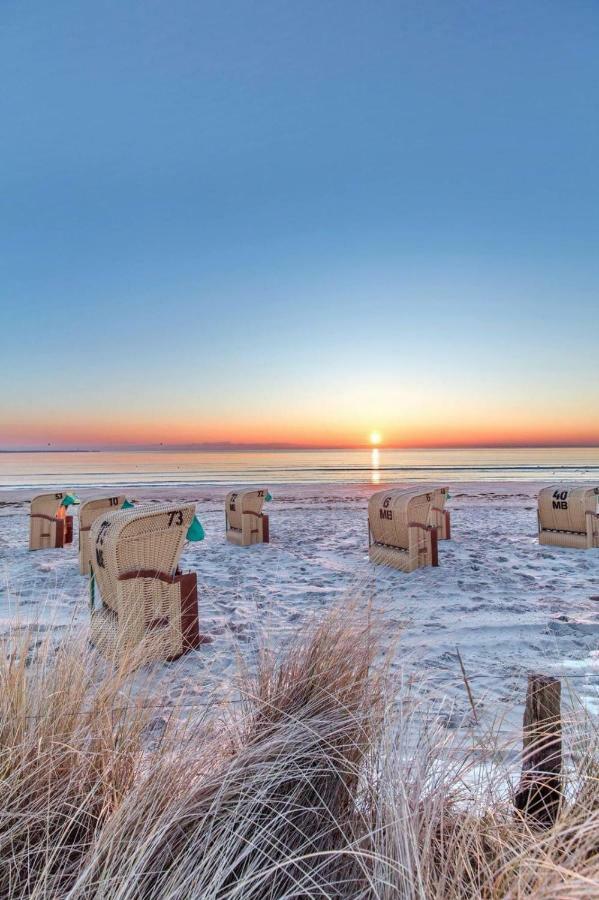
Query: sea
(377, 465)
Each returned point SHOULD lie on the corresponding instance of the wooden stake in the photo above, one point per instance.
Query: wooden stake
(467, 683)
(539, 793)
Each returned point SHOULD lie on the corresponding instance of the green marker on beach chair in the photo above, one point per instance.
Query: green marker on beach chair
(195, 532)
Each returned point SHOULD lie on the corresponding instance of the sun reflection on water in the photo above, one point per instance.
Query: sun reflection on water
(375, 475)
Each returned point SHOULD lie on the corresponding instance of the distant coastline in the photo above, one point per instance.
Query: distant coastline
(296, 448)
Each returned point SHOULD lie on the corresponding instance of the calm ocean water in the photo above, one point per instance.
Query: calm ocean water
(293, 466)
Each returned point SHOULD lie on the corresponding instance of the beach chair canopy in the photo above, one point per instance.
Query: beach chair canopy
(238, 503)
(391, 512)
(564, 507)
(88, 513)
(91, 509)
(142, 542)
(440, 517)
(50, 526)
(439, 496)
(49, 505)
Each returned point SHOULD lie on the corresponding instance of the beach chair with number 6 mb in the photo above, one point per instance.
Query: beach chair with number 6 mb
(400, 533)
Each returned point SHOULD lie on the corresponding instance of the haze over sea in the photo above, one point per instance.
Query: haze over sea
(165, 467)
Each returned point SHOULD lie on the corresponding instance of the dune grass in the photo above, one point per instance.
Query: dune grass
(318, 785)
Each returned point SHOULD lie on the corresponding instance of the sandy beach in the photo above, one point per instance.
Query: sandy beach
(508, 605)
(298, 280)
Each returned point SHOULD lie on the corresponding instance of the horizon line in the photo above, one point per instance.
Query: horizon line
(230, 446)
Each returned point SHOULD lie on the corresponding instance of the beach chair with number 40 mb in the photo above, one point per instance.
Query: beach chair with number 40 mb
(568, 516)
(49, 525)
(400, 531)
(146, 607)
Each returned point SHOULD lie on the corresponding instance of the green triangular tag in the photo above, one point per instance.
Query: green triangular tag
(268, 497)
(69, 500)
(127, 505)
(195, 532)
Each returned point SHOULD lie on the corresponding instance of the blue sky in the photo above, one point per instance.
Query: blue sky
(298, 221)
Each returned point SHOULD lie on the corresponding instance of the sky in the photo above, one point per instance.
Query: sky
(297, 223)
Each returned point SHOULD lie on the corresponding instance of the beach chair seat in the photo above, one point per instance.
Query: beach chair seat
(439, 515)
(568, 516)
(50, 527)
(245, 522)
(147, 608)
(88, 513)
(400, 533)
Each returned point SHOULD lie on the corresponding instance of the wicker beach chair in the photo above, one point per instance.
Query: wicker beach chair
(148, 608)
(245, 522)
(439, 515)
(88, 513)
(568, 516)
(400, 532)
(49, 525)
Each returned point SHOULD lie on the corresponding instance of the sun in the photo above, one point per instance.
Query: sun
(375, 438)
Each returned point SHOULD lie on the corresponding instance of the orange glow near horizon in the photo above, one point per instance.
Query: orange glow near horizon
(432, 416)
(441, 432)
(334, 409)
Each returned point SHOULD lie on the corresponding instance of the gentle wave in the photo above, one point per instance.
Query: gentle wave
(169, 468)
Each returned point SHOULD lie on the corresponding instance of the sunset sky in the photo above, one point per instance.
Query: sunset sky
(275, 222)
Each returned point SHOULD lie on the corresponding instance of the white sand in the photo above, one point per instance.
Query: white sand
(510, 605)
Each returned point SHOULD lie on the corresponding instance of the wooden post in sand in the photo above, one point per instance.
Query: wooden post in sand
(539, 793)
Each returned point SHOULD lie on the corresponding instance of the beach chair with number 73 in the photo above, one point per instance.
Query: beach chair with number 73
(142, 605)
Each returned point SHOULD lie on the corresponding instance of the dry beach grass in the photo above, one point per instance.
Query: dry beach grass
(317, 785)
